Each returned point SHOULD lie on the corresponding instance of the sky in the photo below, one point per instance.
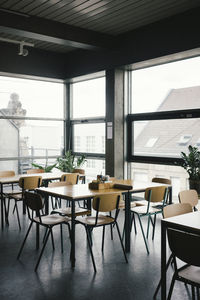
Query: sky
(151, 85)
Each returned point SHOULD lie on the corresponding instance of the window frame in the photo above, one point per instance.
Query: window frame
(165, 115)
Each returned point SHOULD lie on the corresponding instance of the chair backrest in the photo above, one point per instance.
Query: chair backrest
(162, 180)
(188, 196)
(176, 209)
(106, 203)
(30, 182)
(185, 246)
(34, 171)
(33, 201)
(58, 183)
(158, 194)
(7, 173)
(71, 178)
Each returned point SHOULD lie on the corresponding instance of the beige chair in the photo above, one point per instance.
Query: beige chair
(153, 196)
(189, 196)
(70, 178)
(35, 204)
(79, 211)
(34, 171)
(102, 204)
(25, 183)
(158, 180)
(168, 212)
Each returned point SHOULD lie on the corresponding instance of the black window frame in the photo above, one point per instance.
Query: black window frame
(165, 115)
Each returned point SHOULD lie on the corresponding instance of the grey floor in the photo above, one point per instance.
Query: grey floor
(56, 280)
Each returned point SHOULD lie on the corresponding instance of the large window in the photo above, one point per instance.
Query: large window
(31, 122)
(88, 122)
(164, 119)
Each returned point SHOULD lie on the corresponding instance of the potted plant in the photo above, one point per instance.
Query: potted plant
(191, 163)
(70, 163)
(46, 168)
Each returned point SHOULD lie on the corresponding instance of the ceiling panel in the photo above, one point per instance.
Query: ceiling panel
(111, 17)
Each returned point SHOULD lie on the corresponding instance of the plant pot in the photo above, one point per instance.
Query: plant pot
(80, 171)
(195, 185)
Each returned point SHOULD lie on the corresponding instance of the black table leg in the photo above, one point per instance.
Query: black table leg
(2, 216)
(163, 261)
(72, 256)
(127, 221)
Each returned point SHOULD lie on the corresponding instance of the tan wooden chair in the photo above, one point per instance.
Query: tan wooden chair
(79, 211)
(189, 196)
(35, 203)
(168, 212)
(34, 171)
(70, 178)
(25, 183)
(102, 204)
(153, 196)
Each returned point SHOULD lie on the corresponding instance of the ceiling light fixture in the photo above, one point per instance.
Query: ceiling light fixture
(22, 50)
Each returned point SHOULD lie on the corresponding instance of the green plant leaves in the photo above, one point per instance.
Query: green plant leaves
(191, 162)
(70, 162)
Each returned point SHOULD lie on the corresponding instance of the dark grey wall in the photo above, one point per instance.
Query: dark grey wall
(175, 34)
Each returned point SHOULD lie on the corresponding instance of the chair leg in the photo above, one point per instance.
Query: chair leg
(198, 295)
(154, 226)
(121, 242)
(193, 292)
(45, 234)
(52, 239)
(145, 241)
(44, 245)
(171, 287)
(61, 237)
(103, 236)
(18, 216)
(5, 211)
(22, 246)
(159, 284)
(90, 248)
(149, 219)
(133, 221)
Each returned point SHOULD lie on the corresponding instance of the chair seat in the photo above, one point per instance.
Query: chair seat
(190, 273)
(52, 219)
(67, 211)
(143, 209)
(145, 202)
(15, 195)
(102, 220)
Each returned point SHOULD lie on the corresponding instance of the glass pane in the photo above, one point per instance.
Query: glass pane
(31, 138)
(89, 98)
(9, 165)
(26, 164)
(165, 138)
(94, 167)
(31, 98)
(171, 86)
(145, 172)
(89, 138)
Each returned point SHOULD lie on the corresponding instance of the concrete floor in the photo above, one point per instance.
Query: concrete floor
(56, 280)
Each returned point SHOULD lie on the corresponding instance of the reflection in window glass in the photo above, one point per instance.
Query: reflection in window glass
(89, 98)
(145, 172)
(165, 87)
(41, 138)
(165, 138)
(89, 137)
(31, 98)
(93, 168)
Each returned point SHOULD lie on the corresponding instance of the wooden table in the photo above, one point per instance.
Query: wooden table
(46, 177)
(75, 193)
(189, 223)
